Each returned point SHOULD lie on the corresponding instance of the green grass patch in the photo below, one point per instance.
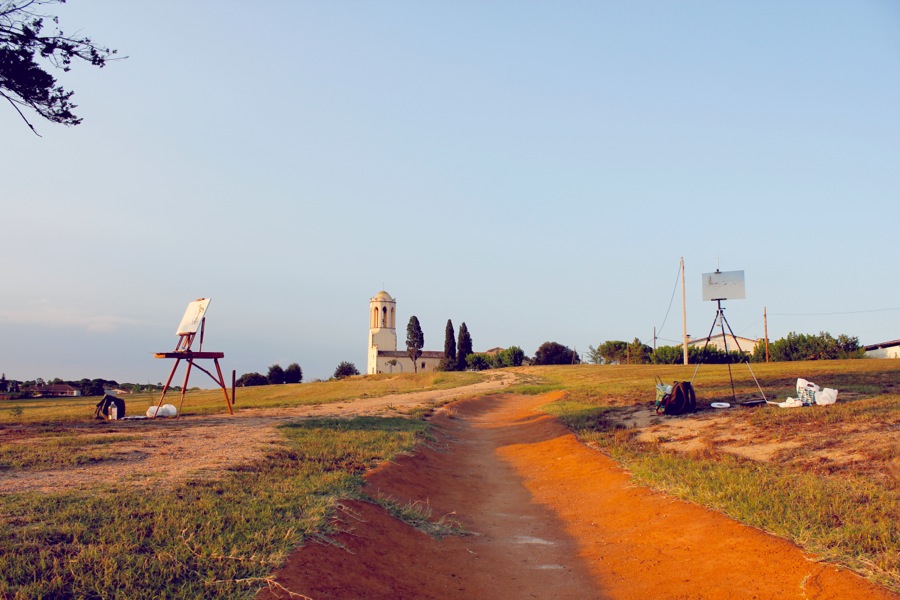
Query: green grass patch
(59, 451)
(201, 539)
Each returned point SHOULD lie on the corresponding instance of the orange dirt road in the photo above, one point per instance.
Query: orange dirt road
(551, 519)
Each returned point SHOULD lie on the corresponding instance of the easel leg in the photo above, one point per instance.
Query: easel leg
(166, 387)
(725, 345)
(221, 382)
(187, 375)
(703, 351)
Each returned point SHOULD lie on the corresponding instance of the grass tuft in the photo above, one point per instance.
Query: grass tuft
(418, 514)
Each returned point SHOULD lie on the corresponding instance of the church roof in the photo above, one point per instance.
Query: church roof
(403, 354)
(383, 295)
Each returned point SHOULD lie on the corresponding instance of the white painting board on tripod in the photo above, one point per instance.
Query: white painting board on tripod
(717, 287)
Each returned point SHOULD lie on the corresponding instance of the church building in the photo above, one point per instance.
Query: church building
(383, 354)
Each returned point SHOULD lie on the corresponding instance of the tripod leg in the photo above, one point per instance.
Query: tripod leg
(725, 345)
(166, 387)
(708, 335)
(752, 374)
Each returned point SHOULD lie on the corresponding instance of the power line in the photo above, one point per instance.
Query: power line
(672, 299)
(824, 314)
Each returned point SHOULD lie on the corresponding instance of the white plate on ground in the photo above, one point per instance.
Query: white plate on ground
(720, 405)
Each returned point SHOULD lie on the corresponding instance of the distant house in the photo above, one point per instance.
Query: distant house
(883, 350)
(746, 345)
(53, 390)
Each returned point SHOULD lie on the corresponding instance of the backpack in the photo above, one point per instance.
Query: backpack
(108, 403)
(679, 401)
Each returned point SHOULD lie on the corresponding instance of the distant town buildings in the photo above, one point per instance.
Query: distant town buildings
(52, 390)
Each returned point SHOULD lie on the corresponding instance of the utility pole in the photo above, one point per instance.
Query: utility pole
(766, 332)
(683, 316)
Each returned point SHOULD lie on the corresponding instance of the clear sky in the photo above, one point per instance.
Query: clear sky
(533, 169)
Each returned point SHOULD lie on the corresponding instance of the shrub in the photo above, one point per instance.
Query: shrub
(345, 369)
(251, 379)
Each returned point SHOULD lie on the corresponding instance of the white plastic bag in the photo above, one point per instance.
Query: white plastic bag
(790, 403)
(166, 410)
(826, 396)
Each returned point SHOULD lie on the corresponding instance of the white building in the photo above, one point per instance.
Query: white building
(884, 350)
(383, 354)
(746, 345)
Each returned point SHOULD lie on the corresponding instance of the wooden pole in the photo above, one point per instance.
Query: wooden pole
(683, 316)
(766, 332)
(233, 387)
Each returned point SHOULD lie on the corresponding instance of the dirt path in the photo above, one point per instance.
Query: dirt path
(553, 519)
(162, 452)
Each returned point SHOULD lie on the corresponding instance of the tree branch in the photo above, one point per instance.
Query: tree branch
(27, 122)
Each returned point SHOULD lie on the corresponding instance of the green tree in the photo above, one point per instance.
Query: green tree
(510, 357)
(24, 82)
(464, 347)
(276, 375)
(4, 384)
(638, 353)
(345, 369)
(478, 361)
(801, 346)
(293, 373)
(613, 352)
(552, 353)
(449, 344)
(711, 355)
(415, 341)
(251, 380)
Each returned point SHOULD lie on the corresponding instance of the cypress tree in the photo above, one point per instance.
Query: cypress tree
(464, 347)
(415, 341)
(449, 343)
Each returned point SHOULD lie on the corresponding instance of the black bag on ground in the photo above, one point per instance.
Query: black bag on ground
(679, 401)
(110, 403)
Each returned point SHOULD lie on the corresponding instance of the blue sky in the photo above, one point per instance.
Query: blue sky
(533, 169)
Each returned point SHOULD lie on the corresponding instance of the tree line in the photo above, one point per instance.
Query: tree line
(276, 376)
(794, 346)
(87, 387)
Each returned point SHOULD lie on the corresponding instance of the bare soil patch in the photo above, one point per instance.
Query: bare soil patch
(551, 519)
(828, 447)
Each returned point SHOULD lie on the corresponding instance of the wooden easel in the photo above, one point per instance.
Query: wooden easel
(187, 331)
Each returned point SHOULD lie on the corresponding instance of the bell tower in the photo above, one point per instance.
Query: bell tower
(382, 327)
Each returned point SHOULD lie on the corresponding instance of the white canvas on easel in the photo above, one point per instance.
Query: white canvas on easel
(193, 317)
